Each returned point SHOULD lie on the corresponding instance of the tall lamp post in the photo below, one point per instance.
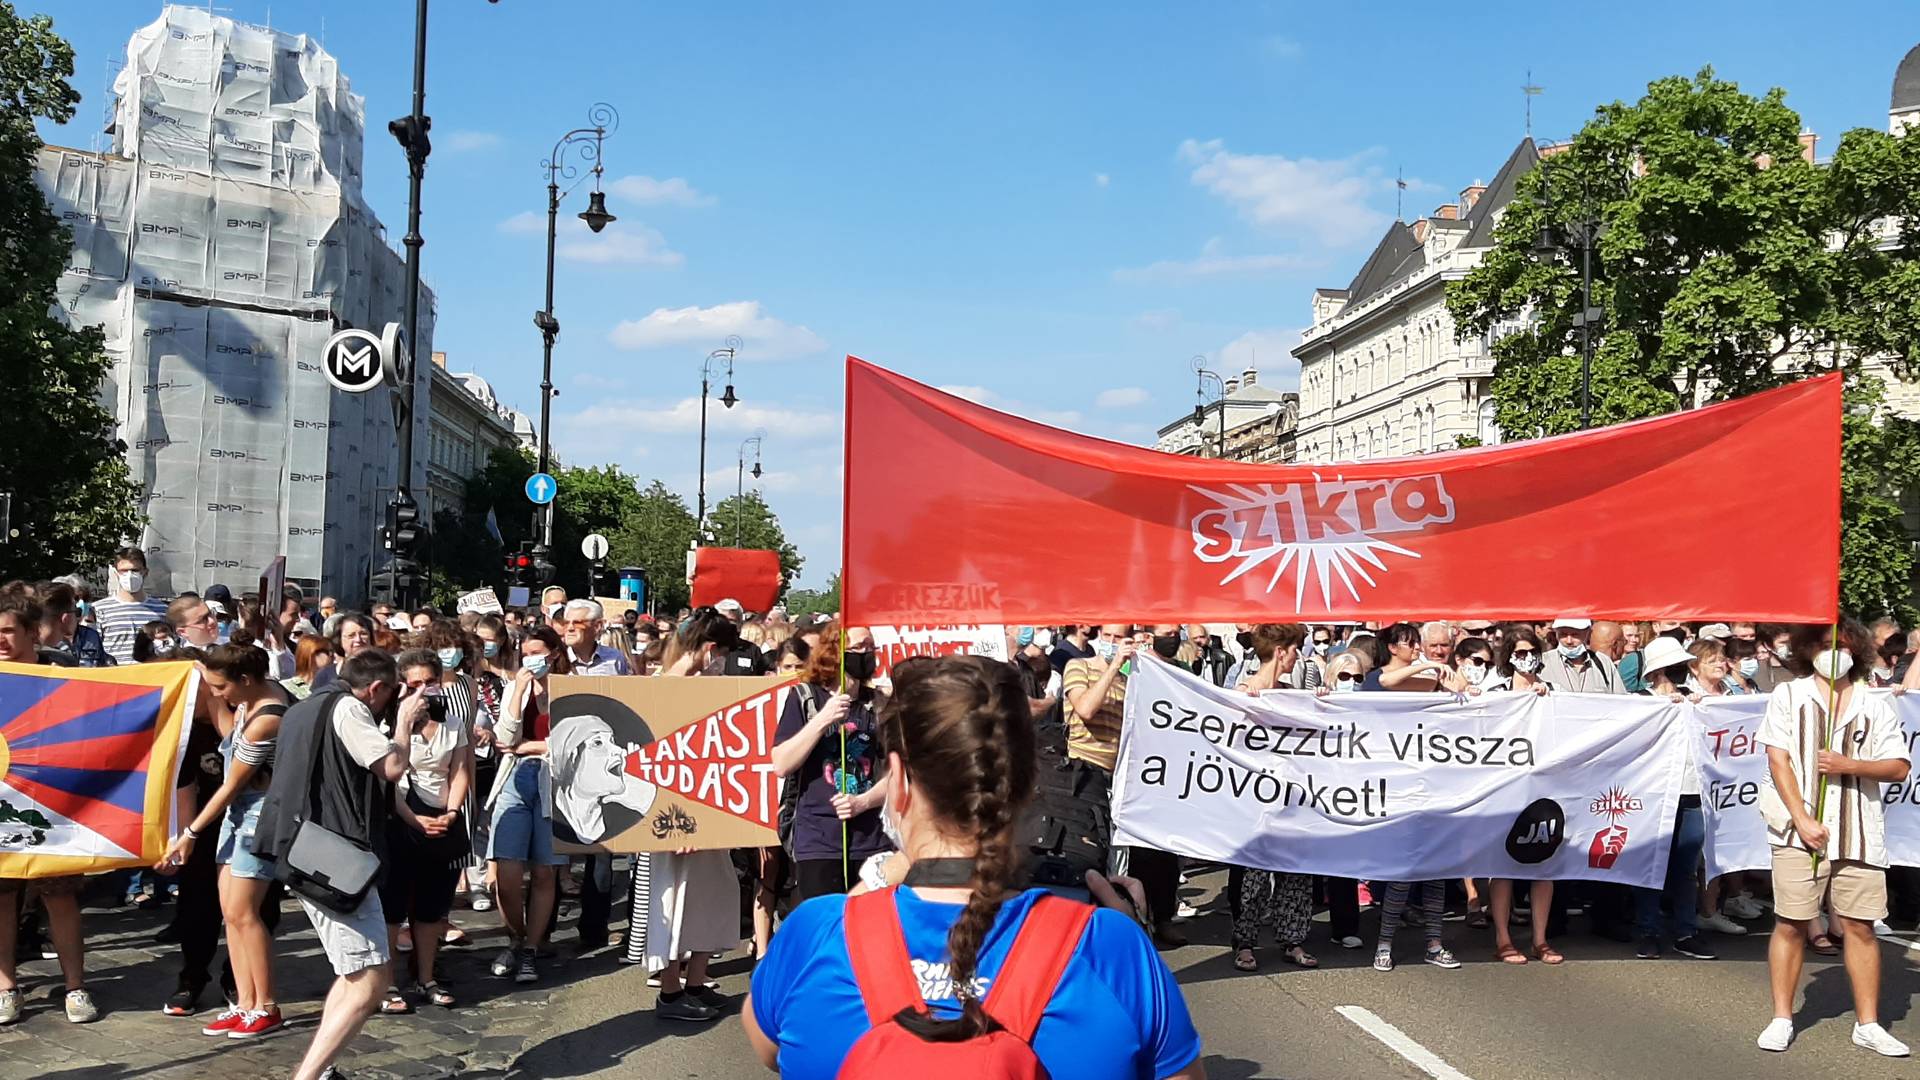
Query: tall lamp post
(586, 141)
(1200, 401)
(1556, 240)
(740, 478)
(728, 398)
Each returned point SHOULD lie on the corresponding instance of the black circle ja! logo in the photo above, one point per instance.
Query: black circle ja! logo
(1537, 833)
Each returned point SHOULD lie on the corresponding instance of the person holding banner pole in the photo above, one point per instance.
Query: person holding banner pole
(1283, 902)
(1518, 670)
(1409, 669)
(1830, 747)
(830, 794)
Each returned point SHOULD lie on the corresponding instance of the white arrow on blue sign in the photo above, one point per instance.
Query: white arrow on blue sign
(541, 488)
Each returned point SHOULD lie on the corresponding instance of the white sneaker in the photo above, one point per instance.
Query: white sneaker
(1875, 1038)
(1720, 924)
(1185, 911)
(1742, 907)
(1779, 1035)
(504, 963)
(9, 1006)
(82, 1010)
(1351, 942)
(1880, 928)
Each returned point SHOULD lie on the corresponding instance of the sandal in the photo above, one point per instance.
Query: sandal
(1479, 919)
(395, 1003)
(1383, 961)
(438, 995)
(1547, 954)
(454, 937)
(1244, 960)
(1823, 945)
(1507, 954)
(1301, 957)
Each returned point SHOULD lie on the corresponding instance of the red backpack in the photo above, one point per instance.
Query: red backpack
(884, 971)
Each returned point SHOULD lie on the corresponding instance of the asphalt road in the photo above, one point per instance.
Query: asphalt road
(1602, 1014)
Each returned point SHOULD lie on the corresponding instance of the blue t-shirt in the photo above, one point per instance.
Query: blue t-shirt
(1117, 1011)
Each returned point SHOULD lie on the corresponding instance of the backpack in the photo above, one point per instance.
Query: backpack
(883, 969)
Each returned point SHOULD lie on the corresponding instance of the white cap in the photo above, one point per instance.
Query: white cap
(1716, 632)
(1568, 622)
(729, 607)
(216, 607)
(399, 622)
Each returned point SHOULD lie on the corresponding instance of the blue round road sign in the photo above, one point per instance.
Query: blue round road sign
(541, 488)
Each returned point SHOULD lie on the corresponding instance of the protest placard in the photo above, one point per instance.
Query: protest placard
(484, 601)
(892, 644)
(664, 764)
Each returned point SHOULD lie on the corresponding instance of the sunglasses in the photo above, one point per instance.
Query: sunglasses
(1478, 661)
(1347, 676)
(1524, 652)
(1478, 631)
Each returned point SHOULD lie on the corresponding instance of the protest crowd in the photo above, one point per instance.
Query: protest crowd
(425, 743)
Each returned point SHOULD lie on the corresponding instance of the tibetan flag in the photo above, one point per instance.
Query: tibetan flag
(88, 759)
(956, 513)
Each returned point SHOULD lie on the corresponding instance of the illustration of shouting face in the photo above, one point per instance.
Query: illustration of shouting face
(594, 796)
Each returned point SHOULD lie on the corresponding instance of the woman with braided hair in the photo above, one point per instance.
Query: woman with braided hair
(959, 746)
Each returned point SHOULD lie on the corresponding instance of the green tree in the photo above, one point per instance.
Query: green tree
(815, 601)
(1724, 263)
(745, 521)
(597, 499)
(655, 536)
(77, 501)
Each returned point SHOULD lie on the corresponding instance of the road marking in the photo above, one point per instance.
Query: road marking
(1400, 1043)
(1912, 945)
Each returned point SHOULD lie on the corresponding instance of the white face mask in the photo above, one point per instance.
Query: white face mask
(1476, 674)
(1830, 664)
(1104, 649)
(1573, 652)
(1345, 686)
(1526, 665)
(1750, 666)
(132, 581)
(889, 824)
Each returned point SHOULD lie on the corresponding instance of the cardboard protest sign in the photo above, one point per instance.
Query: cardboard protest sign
(664, 764)
(485, 601)
(613, 608)
(749, 576)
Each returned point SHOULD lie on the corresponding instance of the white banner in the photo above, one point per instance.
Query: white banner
(892, 644)
(1400, 787)
(1733, 769)
(481, 600)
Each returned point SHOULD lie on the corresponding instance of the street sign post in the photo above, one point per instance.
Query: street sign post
(541, 488)
(594, 546)
(352, 361)
(396, 359)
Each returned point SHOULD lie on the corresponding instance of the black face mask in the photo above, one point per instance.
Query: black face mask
(1166, 645)
(860, 666)
(1245, 639)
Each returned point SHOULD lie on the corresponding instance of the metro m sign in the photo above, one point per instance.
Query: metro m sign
(352, 362)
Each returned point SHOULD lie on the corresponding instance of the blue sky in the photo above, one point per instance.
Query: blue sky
(1051, 206)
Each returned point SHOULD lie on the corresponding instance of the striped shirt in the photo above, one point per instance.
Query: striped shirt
(1095, 741)
(1796, 721)
(119, 622)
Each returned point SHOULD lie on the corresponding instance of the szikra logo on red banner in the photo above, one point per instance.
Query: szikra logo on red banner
(1320, 530)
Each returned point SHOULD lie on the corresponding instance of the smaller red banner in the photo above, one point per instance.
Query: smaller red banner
(749, 576)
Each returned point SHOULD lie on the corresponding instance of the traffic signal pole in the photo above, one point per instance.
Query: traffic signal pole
(404, 511)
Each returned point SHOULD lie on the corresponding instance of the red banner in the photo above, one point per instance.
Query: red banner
(957, 513)
(749, 576)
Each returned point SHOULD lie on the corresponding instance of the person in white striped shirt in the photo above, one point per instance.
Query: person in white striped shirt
(119, 617)
(1830, 747)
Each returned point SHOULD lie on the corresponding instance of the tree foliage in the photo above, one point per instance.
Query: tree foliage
(74, 500)
(1724, 263)
(815, 601)
(656, 537)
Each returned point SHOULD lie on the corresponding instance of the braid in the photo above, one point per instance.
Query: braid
(981, 779)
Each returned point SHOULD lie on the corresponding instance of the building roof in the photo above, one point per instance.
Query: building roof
(1499, 193)
(1397, 256)
(1906, 83)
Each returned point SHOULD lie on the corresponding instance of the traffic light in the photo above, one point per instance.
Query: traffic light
(404, 515)
(543, 568)
(520, 564)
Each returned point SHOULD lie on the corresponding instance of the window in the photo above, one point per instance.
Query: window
(1489, 429)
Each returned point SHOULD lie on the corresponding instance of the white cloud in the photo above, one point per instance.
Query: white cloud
(461, 142)
(725, 427)
(620, 244)
(1281, 47)
(1329, 199)
(1269, 350)
(648, 191)
(1212, 262)
(763, 335)
(1122, 397)
(1101, 179)
(623, 243)
(980, 395)
(1159, 319)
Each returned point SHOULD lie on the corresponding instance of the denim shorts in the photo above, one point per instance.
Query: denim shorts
(522, 831)
(237, 827)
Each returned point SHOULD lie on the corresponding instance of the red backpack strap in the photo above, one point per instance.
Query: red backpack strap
(1034, 965)
(877, 947)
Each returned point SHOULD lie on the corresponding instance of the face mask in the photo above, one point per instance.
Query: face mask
(860, 666)
(1476, 674)
(888, 827)
(82, 609)
(1245, 638)
(1573, 652)
(490, 649)
(1104, 649)
(534, 665)
(1346, 686)
(132, 581)
(1750, 666)
(1783, 652)
(1834, 665)
(163, 646)
(1526, 665)
(1320, 648)
(1883, 673)
(1024, 636)
(1043, 638)
(1167, 646)
(450, 658)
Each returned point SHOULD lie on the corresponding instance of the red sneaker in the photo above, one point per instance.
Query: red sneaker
(231, 1017)
(256, 1024)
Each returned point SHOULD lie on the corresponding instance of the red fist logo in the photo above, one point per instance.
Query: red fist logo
(1607, 845)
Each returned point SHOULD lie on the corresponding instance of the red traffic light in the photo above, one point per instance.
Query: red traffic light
(522, 562)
